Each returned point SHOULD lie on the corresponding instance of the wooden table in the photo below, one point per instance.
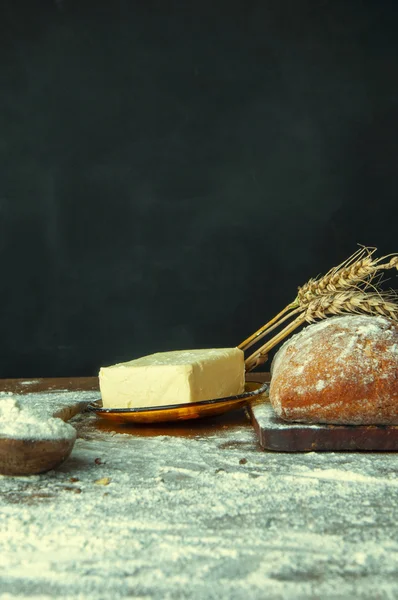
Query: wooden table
(24, 386)
(196, 511)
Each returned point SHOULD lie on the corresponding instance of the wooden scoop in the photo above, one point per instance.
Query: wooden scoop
(33, 456)
(30, 457)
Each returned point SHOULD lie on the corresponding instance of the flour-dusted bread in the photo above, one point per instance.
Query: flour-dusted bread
(343, 370)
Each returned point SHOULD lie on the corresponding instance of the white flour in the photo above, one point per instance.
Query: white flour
(20, 422)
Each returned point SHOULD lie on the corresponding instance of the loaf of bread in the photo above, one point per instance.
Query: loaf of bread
(343, 370)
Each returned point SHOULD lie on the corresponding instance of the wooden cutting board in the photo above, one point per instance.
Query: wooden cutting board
(280, 436)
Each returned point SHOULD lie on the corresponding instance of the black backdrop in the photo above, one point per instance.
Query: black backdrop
(171, 171)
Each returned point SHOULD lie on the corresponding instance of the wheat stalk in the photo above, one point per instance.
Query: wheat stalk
(344, 289)
(260, 356)
(352, 302)
(346, 275)
(320, 307)
(359, 271)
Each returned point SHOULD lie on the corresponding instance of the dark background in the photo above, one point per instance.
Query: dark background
(171, 171)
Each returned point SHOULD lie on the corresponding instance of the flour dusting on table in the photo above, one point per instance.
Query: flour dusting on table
(204, 515)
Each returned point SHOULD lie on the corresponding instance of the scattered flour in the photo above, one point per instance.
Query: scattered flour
(350, 347)
(21, 422)
(181, 516)
(340, 475)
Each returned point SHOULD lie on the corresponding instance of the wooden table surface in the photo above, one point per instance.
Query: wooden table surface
(196, 510)
(24, 386)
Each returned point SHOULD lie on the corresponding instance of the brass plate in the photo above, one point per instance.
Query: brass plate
(255, 390)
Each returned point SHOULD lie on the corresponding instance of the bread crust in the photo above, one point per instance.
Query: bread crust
(343, 370)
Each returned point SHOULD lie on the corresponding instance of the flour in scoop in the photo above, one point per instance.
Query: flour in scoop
(20, 422)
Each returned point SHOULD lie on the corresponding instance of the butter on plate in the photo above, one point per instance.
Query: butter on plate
(175, 377)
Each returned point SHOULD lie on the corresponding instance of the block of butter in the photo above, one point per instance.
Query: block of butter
(173, 377)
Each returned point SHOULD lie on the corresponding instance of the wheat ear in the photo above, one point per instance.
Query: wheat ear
(352, 301)
(357, 272)
(352, 273)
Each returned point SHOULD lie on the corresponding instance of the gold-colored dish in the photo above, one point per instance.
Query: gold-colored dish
(181, 412)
